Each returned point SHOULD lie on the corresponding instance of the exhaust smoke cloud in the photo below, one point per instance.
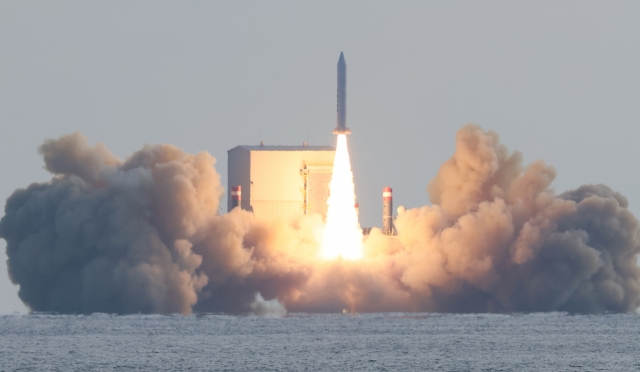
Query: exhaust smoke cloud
(142, 235)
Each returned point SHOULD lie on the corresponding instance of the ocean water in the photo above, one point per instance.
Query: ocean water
(300, 342)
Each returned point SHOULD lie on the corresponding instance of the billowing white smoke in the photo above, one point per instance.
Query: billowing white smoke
(142, 235)
(269, 309)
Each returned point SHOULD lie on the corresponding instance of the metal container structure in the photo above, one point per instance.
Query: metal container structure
(387, 208)
(281, 181)
(236, 197)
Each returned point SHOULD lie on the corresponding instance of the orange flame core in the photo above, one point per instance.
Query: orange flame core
(342, 235)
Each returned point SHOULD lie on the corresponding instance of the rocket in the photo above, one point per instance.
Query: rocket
(341, 128)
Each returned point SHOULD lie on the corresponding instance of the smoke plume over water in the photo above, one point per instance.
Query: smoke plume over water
(142, 235)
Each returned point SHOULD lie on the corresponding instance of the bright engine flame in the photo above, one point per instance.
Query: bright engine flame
(342, 234)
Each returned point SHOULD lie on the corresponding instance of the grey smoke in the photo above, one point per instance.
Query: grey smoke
(143, 235)
(110, 236)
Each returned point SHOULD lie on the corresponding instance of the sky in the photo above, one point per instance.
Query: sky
(559, 81)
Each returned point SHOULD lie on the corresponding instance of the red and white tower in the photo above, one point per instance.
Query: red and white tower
(236, 197)
(387, 207)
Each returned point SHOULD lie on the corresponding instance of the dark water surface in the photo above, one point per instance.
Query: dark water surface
(376, 342)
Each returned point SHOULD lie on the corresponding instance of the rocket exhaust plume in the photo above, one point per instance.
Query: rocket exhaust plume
(141, 235)
(342, 236)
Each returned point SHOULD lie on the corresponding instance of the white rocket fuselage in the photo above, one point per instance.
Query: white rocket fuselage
(341, 128)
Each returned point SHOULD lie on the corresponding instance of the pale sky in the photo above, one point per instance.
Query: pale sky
(559, 81)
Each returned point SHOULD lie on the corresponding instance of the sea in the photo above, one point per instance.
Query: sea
(321, 342)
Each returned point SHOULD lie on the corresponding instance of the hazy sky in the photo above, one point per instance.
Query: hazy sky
(559, 81)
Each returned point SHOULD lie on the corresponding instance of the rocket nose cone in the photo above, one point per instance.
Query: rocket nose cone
(341, 60)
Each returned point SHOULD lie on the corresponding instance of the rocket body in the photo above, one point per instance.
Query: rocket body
(341, 127)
